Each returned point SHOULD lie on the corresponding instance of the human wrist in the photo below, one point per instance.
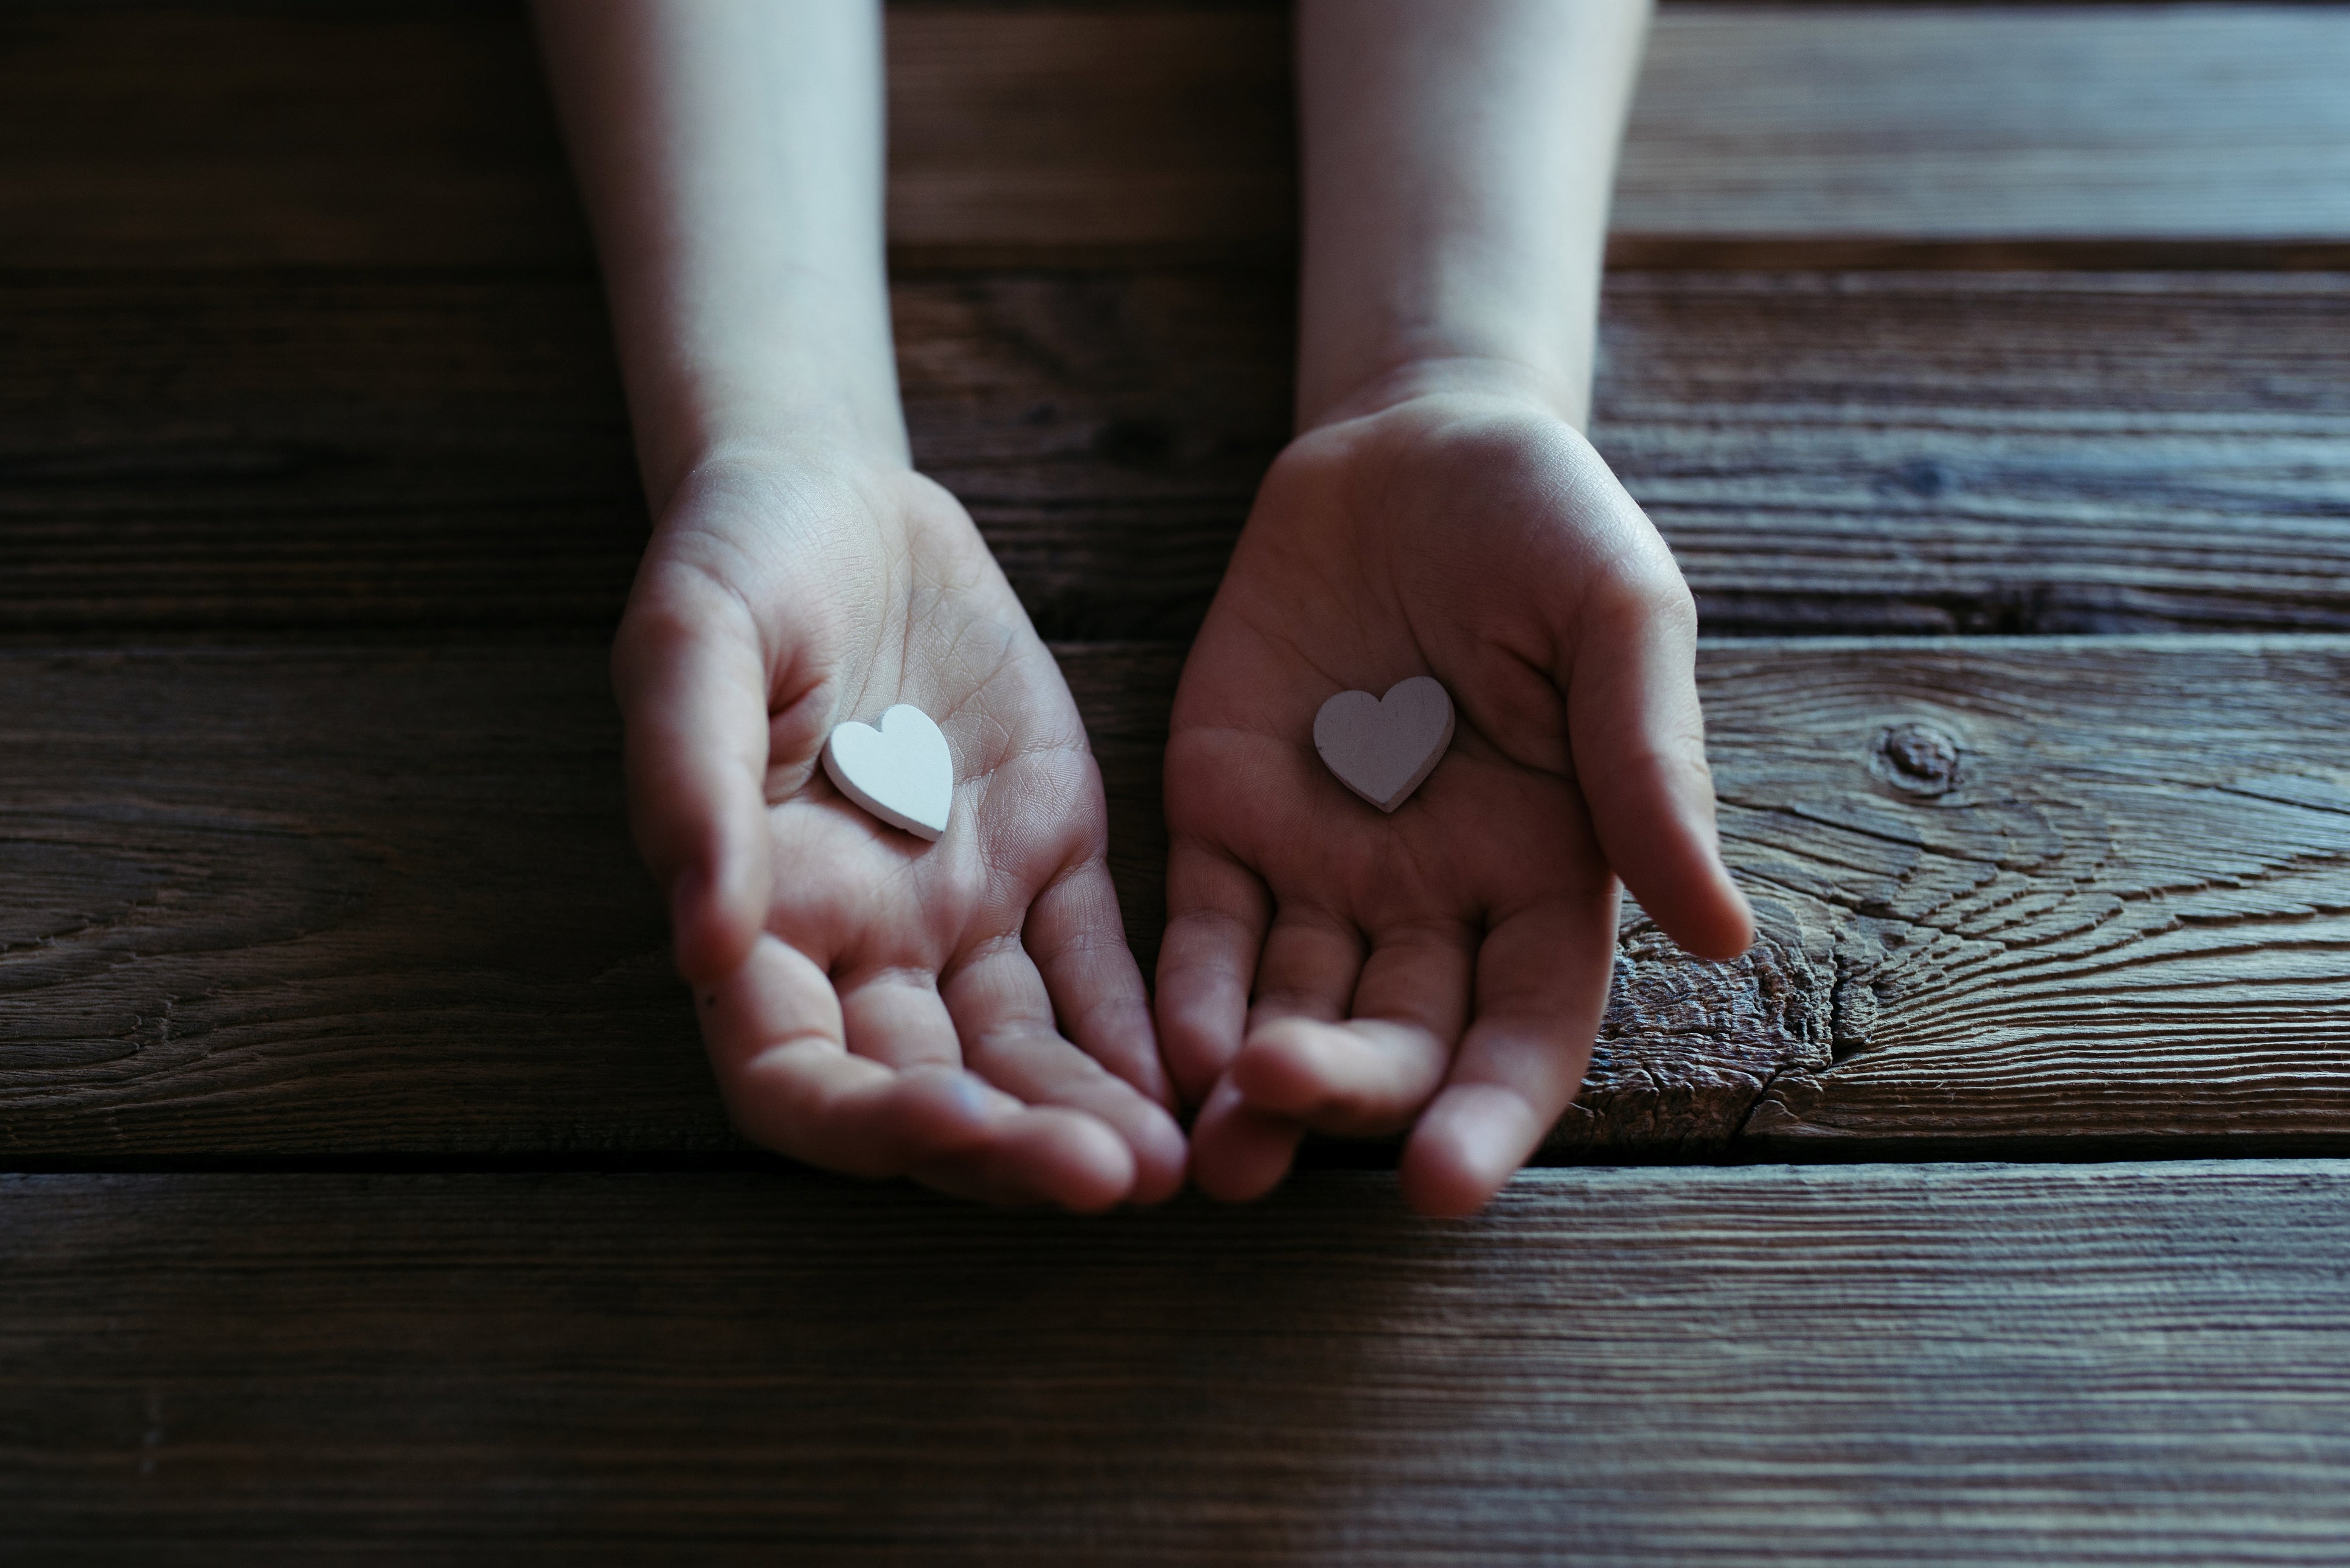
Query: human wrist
(1458, 162)
(768, 431)
(1384, 381)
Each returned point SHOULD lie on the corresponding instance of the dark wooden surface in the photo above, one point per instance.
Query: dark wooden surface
(1857, 1365)
(267, 134)
(1913, 453)
(395, 911)
(332, 1003)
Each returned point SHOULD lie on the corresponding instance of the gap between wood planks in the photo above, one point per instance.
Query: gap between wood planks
(2081, 895)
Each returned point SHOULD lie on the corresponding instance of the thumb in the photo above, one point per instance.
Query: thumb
(1640, 758)
(692, 682)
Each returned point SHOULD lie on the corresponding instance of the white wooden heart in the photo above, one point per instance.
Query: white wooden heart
(1382, 747)
(902, 773)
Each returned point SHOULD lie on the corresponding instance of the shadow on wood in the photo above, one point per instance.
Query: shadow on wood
(2069, 1364)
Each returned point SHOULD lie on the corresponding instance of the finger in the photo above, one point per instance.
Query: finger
(1239, 1153)
(1079, 942)
(776, 1033)
(774, 1029)
(1038, 1154)
(1373, 1072)
(693, 690)
(1216, 915)
(1005, 1019)
(896, 1017)
(1639, 756)
(1542, 981)
(1311, 960)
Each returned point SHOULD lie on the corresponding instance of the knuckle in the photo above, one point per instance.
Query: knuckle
(1645, 592)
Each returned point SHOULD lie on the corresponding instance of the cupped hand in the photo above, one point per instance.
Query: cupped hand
(1326, 966)
(966, 1011)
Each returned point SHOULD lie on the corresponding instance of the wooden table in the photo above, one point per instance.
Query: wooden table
(1989, 371)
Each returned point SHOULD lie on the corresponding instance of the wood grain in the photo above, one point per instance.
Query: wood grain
(1148, 133)
(1921, 126)
(1904, 453)
(302, 136)
(2112, 877)
(309, 901)
(192, 450)
(300, 350)
(2022, 453)
(1900, 1364)
(235, 135)
(394, 911)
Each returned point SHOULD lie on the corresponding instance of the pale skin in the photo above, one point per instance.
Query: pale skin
(968, 1012)
(1441, 969)
(965, 1013)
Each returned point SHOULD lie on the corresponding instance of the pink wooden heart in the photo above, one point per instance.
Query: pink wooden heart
(1382, 747)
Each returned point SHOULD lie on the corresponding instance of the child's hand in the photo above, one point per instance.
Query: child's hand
(1323, 960)
(872, 1002)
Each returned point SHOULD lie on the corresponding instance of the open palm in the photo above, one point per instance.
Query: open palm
(964, 1011)
(1443, 967)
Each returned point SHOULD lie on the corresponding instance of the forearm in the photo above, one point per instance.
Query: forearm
(1459, 159)
(730, 153)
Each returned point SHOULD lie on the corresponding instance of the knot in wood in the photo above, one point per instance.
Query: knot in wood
(1918, 758)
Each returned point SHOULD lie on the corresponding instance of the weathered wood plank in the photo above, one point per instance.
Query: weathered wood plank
(420, 137)
(194, 450)
(210, 136)
(1907, 453)
(2100, 895)
(1887, 452)
(310, 901)
(1850, 1364)
(1917, 126)
(393, 908)
(2066, 895)
(2013, 453)
(1166, 133)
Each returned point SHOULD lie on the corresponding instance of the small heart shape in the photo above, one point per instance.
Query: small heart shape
(1382, 747)
(902, 773)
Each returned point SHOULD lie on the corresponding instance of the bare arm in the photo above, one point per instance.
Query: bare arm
(1459, 159)
(871, 1002)
(730, 154)
(1441, 967)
